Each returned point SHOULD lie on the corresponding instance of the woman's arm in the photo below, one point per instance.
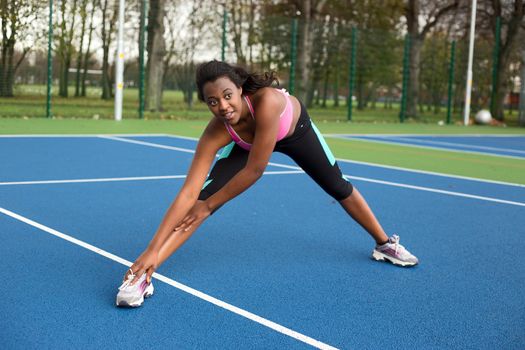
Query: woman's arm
(213, 138)
(267, 127)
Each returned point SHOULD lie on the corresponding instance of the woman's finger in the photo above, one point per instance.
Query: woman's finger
(126, 275)
(138, 274)
(190, 222)
(149, 272)
(184, 223)
(187, 219)
(181, 224)
(131, 271)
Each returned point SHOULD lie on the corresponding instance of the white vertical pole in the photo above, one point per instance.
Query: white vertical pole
(470, 59)
(522, 90)
(119, 60)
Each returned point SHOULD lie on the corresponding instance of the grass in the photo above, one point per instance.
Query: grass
(30, 102)
(464, 164)
(25, 113)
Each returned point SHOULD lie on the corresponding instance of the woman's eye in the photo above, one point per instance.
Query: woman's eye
(212, 103)
(228, 96)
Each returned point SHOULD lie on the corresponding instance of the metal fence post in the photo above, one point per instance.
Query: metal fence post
(224, 22)
(351, 79)
(495, 64)
(142, 40)
(293, 55)
(49, 61)
(402, 112)
(451, 80)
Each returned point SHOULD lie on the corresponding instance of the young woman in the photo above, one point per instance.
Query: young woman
(251, 119)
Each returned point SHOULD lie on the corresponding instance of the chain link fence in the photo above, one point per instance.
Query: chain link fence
(341, 71)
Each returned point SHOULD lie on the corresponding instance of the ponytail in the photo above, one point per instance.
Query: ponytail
(250, 82)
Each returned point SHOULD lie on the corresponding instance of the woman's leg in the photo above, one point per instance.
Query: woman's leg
(356, 206)
(310, 151)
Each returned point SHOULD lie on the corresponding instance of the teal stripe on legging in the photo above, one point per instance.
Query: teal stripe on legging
(226, 151)
(206, 184)
(327, 151)
(224, 154)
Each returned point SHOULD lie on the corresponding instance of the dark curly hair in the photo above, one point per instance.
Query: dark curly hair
(250, 82)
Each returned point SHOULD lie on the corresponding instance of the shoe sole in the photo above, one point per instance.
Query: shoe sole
(378, 256)
(148, 292)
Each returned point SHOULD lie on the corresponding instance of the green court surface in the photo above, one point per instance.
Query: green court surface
(455, 163)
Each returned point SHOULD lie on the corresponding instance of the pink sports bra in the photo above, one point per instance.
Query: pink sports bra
(285, 121)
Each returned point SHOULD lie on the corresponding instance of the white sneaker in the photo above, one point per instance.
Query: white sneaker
(395, 253)
(133, 295)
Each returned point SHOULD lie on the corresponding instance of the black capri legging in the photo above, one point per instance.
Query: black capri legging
(306, 146)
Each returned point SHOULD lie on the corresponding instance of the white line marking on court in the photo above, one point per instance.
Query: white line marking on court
(459, 144)
(116, 138)
(298, 171)
(404, 169)
(430, 135)
(253, 317)
(380, 166)
(364, 139)
(428, 189)
(133, 178)
(430, 173)
(187, 150)
(338, 159)
(195, 138)
(150, 144)
(182, 137)
(78, 135)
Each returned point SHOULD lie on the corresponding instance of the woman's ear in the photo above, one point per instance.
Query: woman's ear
(240, 90)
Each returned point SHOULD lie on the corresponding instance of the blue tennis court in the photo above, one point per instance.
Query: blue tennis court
(293, 273)
(498, 145)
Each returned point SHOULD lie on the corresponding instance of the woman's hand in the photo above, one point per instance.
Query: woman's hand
(195, 216)
(146, 263)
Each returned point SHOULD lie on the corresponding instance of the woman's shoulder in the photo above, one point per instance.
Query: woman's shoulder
(215, 132)
(265, 91)
(267, 95)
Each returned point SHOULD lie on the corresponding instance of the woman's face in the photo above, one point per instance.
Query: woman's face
(224, 99)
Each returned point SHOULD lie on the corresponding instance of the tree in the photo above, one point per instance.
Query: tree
(511, 18)
(65, 46)
(107, 33)
(522, 88)
(83, 16)
(16, 18)
(183, 39)
(430, 13)
(434, 75)
(156, 48)
(379, 47)
(242, 20)
(87, 54)
(309, 11)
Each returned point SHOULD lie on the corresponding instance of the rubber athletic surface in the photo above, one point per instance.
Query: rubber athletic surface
(283, 250)
(503, 145)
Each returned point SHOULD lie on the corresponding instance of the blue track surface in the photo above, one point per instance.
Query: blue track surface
(509, 146)
(283, 251)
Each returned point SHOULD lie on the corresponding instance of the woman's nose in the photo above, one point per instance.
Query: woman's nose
(223, 105)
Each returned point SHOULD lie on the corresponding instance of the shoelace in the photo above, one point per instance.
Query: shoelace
(395, 240)
(127, 281)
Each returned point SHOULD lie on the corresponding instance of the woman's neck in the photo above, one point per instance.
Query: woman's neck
(245, 113)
